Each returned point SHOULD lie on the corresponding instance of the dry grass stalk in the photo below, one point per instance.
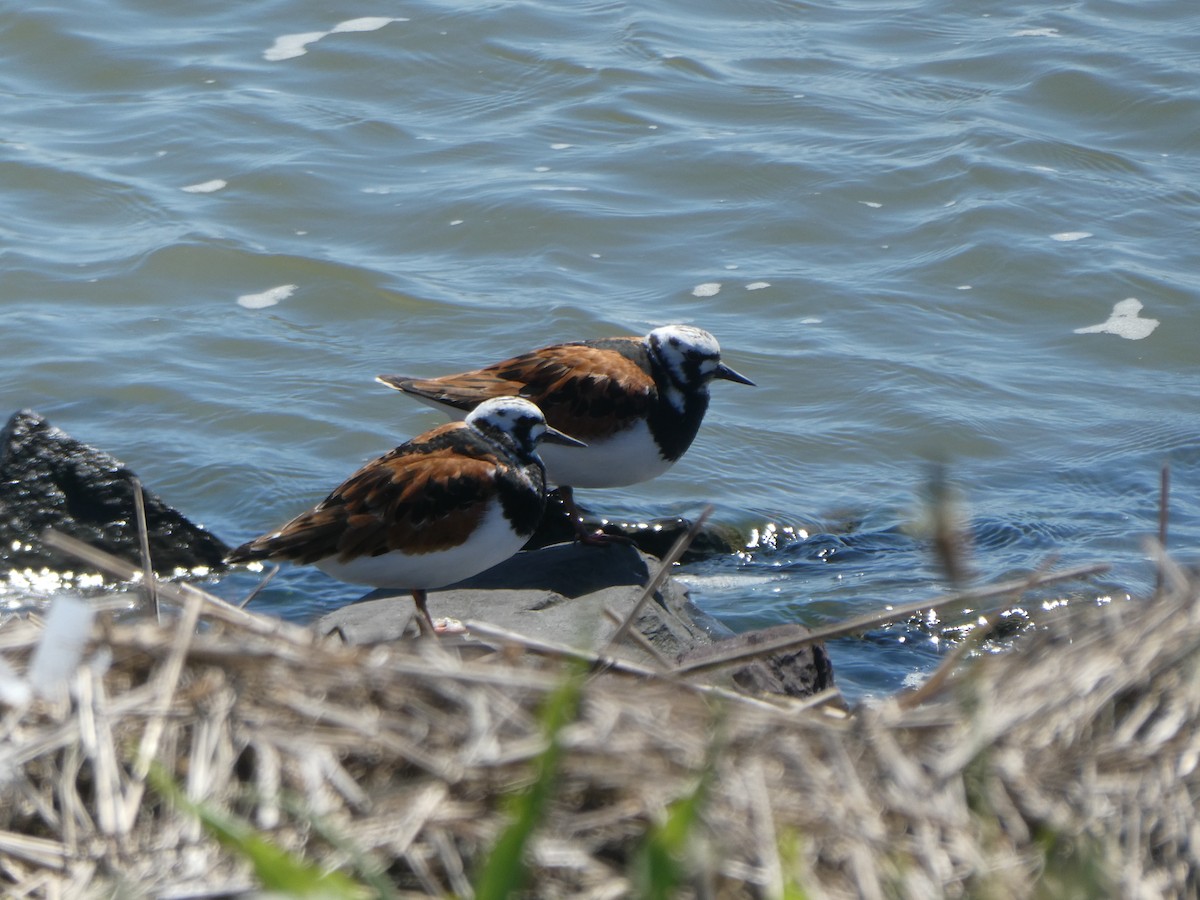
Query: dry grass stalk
(664, 569)
(1075, 757)
(149, 582)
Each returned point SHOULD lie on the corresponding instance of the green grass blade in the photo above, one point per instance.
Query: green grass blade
(503, 872)
(660, 868)
(277, 869)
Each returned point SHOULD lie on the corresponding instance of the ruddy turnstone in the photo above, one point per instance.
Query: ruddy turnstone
(447, 504)
(636, 401)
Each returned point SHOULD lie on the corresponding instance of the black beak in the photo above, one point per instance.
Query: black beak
(554, 436)
(723, 371)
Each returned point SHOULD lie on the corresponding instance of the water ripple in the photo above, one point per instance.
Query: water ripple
(481, 179)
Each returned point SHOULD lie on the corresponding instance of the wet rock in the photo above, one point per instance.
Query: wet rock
(796, 673)
(50, 480)
(560, 594)
(654, 536)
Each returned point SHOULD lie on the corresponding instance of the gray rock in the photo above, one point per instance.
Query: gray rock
(560, 595)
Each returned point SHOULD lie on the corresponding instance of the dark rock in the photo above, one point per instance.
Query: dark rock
(655, 536)
(559, 595)
(50, 480)
(797, 673)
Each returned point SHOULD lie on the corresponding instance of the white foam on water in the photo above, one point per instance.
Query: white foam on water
(1124, 322)
(561, 146)
(267, 298)
(366, 23)
(708, 289)
(726, 582)
(1036, 32)
(206, 187)
(289, 46)
(871, 203)
(1067, 236)
(758, 285)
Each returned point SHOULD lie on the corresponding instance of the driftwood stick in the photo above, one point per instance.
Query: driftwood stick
(942, 674)
(664, 569)
(874, 620)
(149, 582)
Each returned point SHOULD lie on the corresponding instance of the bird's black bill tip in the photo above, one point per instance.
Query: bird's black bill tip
(554, 436)
(723, 371)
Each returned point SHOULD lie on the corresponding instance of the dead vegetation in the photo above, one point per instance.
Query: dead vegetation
(1068, 767)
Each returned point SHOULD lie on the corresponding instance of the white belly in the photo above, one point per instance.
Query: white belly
(491, 543)
(628, 457)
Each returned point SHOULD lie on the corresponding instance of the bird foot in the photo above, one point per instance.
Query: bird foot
(598, 537)
(446, 625)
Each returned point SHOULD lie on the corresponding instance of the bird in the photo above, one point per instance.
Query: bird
(637, 402)
(450, 503)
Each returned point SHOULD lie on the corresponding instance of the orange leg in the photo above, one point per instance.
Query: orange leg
(424, 621)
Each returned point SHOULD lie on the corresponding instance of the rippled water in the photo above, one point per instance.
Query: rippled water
(900, 219)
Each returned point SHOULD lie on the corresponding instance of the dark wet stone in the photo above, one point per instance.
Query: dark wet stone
(654, 536)
(50, 480)
(797, 673)
(559, 594)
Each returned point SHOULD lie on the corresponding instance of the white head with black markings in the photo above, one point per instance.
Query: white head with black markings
(691, 357)
(518, 424)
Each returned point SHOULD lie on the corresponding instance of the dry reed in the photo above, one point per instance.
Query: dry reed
(1067, 765)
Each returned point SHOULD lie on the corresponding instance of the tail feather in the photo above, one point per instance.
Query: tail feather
(449, 398)
(396, 382)
(304, 540)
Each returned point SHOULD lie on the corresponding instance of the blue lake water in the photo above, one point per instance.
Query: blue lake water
(909, 223)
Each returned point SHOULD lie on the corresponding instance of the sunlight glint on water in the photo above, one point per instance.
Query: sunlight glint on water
(921, 229)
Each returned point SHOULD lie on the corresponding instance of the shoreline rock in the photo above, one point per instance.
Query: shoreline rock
(559, 595)
(48, 479)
